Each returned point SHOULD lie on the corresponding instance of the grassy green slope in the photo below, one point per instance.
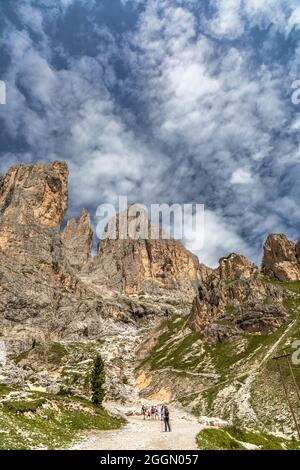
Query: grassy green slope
(232, 438)
(237, 380)
(43, 421)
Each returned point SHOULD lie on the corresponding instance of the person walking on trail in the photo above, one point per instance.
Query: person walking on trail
(162, 412)
(167, 419)
(144, 411)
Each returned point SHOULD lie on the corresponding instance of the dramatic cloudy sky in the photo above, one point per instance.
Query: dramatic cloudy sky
(166, 101)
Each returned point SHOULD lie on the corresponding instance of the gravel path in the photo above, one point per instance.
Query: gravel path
(145, 435)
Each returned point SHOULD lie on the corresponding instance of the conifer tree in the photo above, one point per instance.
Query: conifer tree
(98, 381)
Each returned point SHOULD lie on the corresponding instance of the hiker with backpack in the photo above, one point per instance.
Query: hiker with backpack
(166, 417)
(162, 412)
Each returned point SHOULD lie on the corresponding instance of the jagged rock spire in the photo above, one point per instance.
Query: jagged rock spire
(35, 194)
(77, 238)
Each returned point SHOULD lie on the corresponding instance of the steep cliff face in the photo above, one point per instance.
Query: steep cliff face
(41, 298)
(148, 266)
(34, 273)
(35, 194)
(77, 238)
(234, 299)
(33, 201)
(281, 258)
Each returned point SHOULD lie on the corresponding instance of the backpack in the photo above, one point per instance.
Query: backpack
(166, 412)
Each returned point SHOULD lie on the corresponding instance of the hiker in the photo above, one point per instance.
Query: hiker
(167, 419)
(156, 413)
(162, 412)
(152, 412)
(144, 411)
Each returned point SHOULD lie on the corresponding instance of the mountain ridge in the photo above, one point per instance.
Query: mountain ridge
(161, 320)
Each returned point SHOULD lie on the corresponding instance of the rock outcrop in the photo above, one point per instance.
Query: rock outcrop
(234, 299)
(150, 265)
(35, 277)
(77, 238)
(281, 259)
(35, 194)
(33, 201)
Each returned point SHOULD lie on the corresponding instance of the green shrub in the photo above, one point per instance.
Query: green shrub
(56, 353)
(23, 406)
(64, 392)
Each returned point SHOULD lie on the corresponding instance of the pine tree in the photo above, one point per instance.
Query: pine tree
(97, 381)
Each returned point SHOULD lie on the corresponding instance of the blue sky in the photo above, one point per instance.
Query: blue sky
(166, 101)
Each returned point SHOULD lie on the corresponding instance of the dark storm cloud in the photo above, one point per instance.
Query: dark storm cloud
(165, 101)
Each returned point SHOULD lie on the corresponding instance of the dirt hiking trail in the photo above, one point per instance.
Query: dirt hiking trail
(140, 434)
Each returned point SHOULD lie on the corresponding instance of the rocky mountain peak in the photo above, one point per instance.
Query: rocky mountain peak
(235, 266)
(35, 194)
(150, 265)
(77, 238)
(281, 258)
